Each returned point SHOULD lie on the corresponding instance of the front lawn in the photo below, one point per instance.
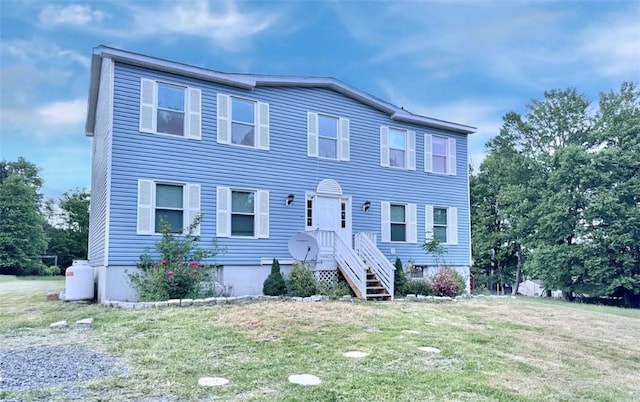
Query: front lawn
(491, 349)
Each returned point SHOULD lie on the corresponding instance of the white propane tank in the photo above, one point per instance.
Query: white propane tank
(79, 281)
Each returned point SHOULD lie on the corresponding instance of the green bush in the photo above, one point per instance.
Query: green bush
(420, 287)
(334, 289)
(52, 270)
(400, 282)
(178, 273)
(274, 285)
(447, 282)
(302, 282)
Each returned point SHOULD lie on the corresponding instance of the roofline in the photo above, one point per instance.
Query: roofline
(248, 81)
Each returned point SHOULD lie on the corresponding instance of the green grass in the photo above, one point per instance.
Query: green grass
(492, 350)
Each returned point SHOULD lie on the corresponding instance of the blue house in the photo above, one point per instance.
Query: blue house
(264, 158)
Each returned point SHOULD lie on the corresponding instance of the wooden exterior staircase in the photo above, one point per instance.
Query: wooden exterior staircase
(367, 271)
(375, 290)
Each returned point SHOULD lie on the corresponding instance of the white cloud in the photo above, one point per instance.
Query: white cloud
(63, 113)
(41, 51)
(74, 14)
(613, 47)
(225, 26)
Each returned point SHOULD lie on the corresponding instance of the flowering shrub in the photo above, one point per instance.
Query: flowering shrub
(447, 283)
(178, 273)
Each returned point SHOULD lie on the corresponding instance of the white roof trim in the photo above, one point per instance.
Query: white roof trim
(249, 81)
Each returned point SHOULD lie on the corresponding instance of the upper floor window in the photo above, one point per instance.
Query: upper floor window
(441, 224)
(398, 222)
(439, 154)
(170, 109)
(327, 136)
(176, 204)
(397, 148)
(242, 213)
(243, 122)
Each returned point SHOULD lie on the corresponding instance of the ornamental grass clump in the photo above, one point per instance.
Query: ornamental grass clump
(176, 271)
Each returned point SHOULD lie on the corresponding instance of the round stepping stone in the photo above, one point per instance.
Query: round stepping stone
(410, 331)
(429, 349)
(355, 354)
(212, 381)
(304, 379)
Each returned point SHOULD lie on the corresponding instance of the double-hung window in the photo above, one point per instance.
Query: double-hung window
(327, 136)
(243, 122)
(397, 148)
(169, 206)
(441, 224)
(439, 154)
(170, 109)
(242, 213)
(167, 108)
(164, 202)
(243, 125)
(398, 222)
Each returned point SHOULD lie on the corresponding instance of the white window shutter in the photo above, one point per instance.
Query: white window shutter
(344, 140)
(223, 212)
(451, 156)
(412, 223)
(452, 225)
(428, 154)
(145, 207)
(428, 222)
(312, 134)
(384, 146)
(147, 105)
(263, 126)
(263, 214)
(193, 206)
(224, 119)
(411, 150)
(194, 120)
(385, 221)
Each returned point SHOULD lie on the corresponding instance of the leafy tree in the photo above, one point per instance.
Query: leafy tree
(274, 285)
(560, 192)
(21, 227)
(69, 238)
(27, 170)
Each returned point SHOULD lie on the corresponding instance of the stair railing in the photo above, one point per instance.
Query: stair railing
(377, 262)
(352, 266)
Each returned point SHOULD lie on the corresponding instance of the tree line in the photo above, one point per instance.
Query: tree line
(558, 197)
(32, 227)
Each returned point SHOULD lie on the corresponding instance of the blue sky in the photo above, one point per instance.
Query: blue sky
(469, 62)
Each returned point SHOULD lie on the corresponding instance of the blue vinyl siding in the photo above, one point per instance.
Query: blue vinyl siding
(285, 168)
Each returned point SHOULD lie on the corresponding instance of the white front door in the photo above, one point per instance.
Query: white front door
(333, 214)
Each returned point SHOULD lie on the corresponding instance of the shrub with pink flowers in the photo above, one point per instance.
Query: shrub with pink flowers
(176, 270)
(447, 282)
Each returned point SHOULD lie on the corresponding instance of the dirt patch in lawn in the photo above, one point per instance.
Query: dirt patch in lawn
(269, 321)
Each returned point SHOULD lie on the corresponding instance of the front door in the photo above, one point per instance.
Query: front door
(333, 213)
